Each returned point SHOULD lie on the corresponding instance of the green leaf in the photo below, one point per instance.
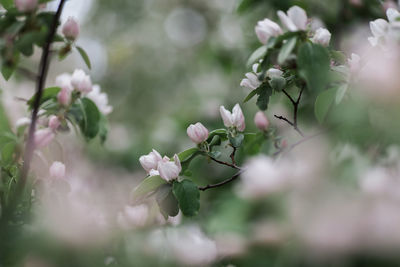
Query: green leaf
(251, 95)
(277, 83)
(323, 103)
(166, 201)
(103, 128)
(338, 56)
(25, 43)
(263, 98)
(215, 154)
(286, 49)
(237, 140)
(314, 64)
(215, 141)
(148, 185)
(253, 142)
(7, 4)
(48, 93)
(341, 91)
(256, 55)
(185, 155)
(188, 196)
(84, 56)
(220, 132)
(7, 71)
(90, 124)
(7, 153)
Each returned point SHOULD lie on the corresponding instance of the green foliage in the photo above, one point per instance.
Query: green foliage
(86, 114)
(49, 93)
(166, 201)
(313, 61)
(148, 185)
(286, 49)
(84, 56)
(188, 196)
(277, 83)
(323, 103)
(263, 96)
(236, 140)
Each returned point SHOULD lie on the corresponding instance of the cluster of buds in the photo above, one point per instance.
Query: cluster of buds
(154, 164)
(44, 136)
(294, 20)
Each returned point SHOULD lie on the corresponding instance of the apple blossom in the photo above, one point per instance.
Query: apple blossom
(100, 99)
(64, 96)
(132, 217)
(150, 162)
(21, 122)
(81, 81)
(26, 5)
(57, 170)
(272, 72)
(379, 29)
(251, 81)
(54, 122)
(234, 119)
(169, 170)
(43, 137)
(64, 81)
(322, 36)
(197, 133)
(70, 29)
(267, 28)
(261, 121)
(295, 20)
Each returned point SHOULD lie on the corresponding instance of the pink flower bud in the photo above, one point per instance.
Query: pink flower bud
(26, 5)
(197, 133)
(261, 121)
(150, 162)
(81, 82)
(64, 96)
(169, 170)
(54, 122)
(267, 28)
(43, 137)
(57, 170)
(70, 29)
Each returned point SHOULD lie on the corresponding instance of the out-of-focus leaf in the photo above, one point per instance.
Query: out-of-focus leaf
(286, 49)
(314, 64)
(188, 196)
(90, 124)
(185, 155)
(7, 4)
(277, 83)
(7, 152)
(341, 91)
(48, 93)
(323, 103)
(84, 56)
(237, 140)
(148, 185)
(166, 201)
(256, 55)
(263, 97)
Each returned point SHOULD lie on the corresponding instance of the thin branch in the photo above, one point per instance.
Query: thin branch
(41, 78)
(225, 163)
(295, 111)
(209, 186)
(232, 156)
(28, 73)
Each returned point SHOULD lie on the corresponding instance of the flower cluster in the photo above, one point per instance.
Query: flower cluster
(154, 164)
(383, 31)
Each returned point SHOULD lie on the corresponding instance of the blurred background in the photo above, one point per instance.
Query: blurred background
(166, 64)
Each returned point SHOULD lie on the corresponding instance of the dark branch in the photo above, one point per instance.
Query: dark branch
(232, 156)
(233, 165)
(284, 119)
(295, 111)
(290, 98)
(234, 177)
(41, 78)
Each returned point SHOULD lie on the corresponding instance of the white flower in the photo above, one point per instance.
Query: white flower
(22, 122)
(100, 99)
(354, 62)
(379, 29)
(54, 122)
(197, 133)
(150, 162)
(169, 170)
(272, 72)
(64, 96)
(57, 170)
(43, 137)
(392, 14)
(26, 5)
(263, 176)
(251, 81)
(81, 81)
(265, 29)
(261, 121)
(295, 20)
(132, 217)
(70, 29)
(234, 119)
(322, 36)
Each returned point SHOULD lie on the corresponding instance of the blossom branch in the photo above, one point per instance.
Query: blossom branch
(295, 111)
(41, 78)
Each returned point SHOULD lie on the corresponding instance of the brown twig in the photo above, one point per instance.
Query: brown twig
(233, 165)
(232, 156)
(295, 104)
(209, 186)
